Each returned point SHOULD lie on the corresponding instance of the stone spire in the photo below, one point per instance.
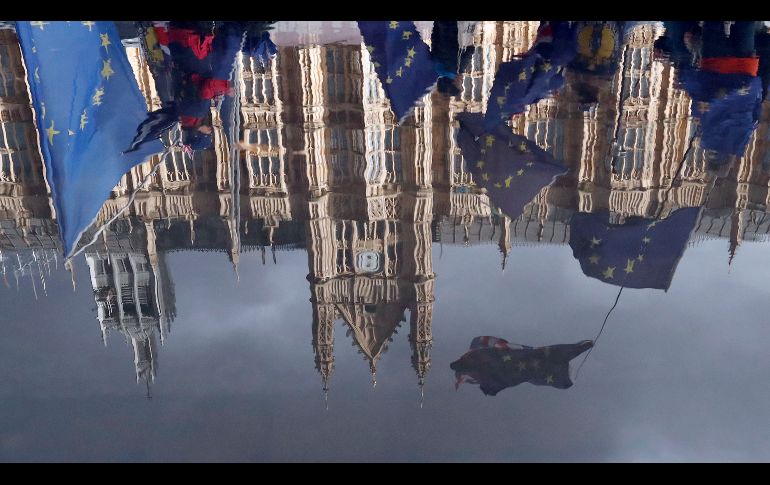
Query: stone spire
(323, 342)
(373, 370)
(736, 233)
(420, 333)
(505, 238)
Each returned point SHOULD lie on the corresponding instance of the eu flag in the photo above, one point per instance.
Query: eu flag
(88, 107)
(638, 254)
(402, 61)
(494, 364)
(512, 168)
(532, 77)
(727, 105)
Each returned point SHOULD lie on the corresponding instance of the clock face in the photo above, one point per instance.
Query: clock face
(369, 262)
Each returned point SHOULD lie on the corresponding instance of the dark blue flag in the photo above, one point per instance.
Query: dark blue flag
(157, 123)
(494, 364)
(641, 253)
(534, 76)
(402, 61)
(728, 108)
(88, 107)
(512, 168)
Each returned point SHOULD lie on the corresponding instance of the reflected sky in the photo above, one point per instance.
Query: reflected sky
(193, 332)
(243, 387)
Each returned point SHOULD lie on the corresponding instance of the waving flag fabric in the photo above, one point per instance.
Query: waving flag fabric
(88, 107)
(638, 254)
(727, 105)
(494, 364)
(402, 61)
(512, 168)
(535, 75)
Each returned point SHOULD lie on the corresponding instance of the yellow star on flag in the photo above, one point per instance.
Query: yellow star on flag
(407, 62)
(83, 120)
(393, 24)
(51, 131)
(501, 100)
(480, 164)
(508, 181)
(485, 177)
(522, 365)
(629, 266)
(640, 257)
(609, 273)
(506, 358)
(97, 97)
(406, 35)
(39, 24)
(107, 69)
(594, 259)
(389, 80)
(400, 71)
(411, 52)
(89, 24)
(520, 172)
(646, 239)
(490, 140)
(595, 241)
(549, 379)
(523, 76)
(105, 41)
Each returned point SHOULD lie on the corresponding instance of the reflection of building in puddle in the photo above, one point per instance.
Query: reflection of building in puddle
(134, 293)
(322, 165)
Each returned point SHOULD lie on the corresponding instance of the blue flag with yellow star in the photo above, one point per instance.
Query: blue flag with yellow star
(727, 105)
(638, 254)
(88, 107)
(494, 364)
(402, 61)
(512, 168)
(534, 76)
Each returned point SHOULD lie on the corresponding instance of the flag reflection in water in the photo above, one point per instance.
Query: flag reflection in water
(494, 364)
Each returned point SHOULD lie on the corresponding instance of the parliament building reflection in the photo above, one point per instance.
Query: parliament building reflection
(323, 166)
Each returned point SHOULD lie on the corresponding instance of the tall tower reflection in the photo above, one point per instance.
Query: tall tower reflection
(134, 294)
(363, 186)
(322, 165)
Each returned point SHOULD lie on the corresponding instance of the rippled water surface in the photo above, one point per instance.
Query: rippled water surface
(384, 241)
